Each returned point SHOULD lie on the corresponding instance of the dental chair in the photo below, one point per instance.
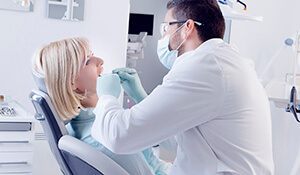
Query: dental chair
(73, 156)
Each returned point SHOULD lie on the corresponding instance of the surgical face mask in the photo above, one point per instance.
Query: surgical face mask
(167, 57)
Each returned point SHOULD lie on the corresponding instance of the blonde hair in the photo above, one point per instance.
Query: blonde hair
(59, 62)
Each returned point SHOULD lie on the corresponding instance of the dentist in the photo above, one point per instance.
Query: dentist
(211, 101)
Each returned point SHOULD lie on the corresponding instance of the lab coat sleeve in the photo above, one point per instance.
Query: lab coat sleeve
(185, 99)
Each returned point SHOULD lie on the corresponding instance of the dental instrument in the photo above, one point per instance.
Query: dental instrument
(128, 103)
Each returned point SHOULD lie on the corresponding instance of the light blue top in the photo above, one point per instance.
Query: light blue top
(142, 163)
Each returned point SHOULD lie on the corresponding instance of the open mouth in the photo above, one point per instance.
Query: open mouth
(101, 70)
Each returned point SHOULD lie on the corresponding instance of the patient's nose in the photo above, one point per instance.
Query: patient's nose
(100, 61)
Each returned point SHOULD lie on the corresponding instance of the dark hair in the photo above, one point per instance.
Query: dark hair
(206, 12)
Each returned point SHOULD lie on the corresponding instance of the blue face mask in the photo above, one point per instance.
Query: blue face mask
(167, 57)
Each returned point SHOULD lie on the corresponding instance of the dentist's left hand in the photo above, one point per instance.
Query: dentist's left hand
(108, 84)
(131, 83)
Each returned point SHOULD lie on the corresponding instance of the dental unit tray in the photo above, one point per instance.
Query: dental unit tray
(280, 93)
(288, 99)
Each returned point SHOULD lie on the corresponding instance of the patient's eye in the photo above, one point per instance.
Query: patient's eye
(87, 62)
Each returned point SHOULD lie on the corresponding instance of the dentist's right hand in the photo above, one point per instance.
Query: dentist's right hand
(131, 83)
(108, 84)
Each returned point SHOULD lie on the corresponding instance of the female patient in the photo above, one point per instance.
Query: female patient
(71, 72)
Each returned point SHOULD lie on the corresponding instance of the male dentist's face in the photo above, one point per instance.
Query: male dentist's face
(175, 38)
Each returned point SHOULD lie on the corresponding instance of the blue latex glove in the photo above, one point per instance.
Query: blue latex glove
(108, 84)
(131, 83)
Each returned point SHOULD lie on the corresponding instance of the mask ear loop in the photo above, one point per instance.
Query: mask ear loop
(187, 36)
(183, 40)
(174, 33)
(177, 29)
(180, 44)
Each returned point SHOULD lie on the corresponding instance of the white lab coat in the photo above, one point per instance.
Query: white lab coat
(214, 105)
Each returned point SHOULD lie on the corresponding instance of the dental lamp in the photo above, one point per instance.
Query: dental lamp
(229, 13)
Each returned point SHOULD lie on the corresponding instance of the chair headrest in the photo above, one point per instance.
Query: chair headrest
(39, 80)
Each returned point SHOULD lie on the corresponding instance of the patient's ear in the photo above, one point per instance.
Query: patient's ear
(74, 86)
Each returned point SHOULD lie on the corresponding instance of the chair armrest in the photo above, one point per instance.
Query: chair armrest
(90, 155)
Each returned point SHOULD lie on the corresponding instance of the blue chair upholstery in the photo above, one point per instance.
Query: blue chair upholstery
(73, 156)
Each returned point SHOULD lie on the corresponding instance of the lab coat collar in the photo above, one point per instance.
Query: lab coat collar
(211, 43)
(207, 45)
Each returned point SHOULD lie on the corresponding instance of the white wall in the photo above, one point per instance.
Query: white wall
(105, 25)
(260, 41)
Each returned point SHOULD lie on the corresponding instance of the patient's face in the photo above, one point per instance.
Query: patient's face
(86, 80)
